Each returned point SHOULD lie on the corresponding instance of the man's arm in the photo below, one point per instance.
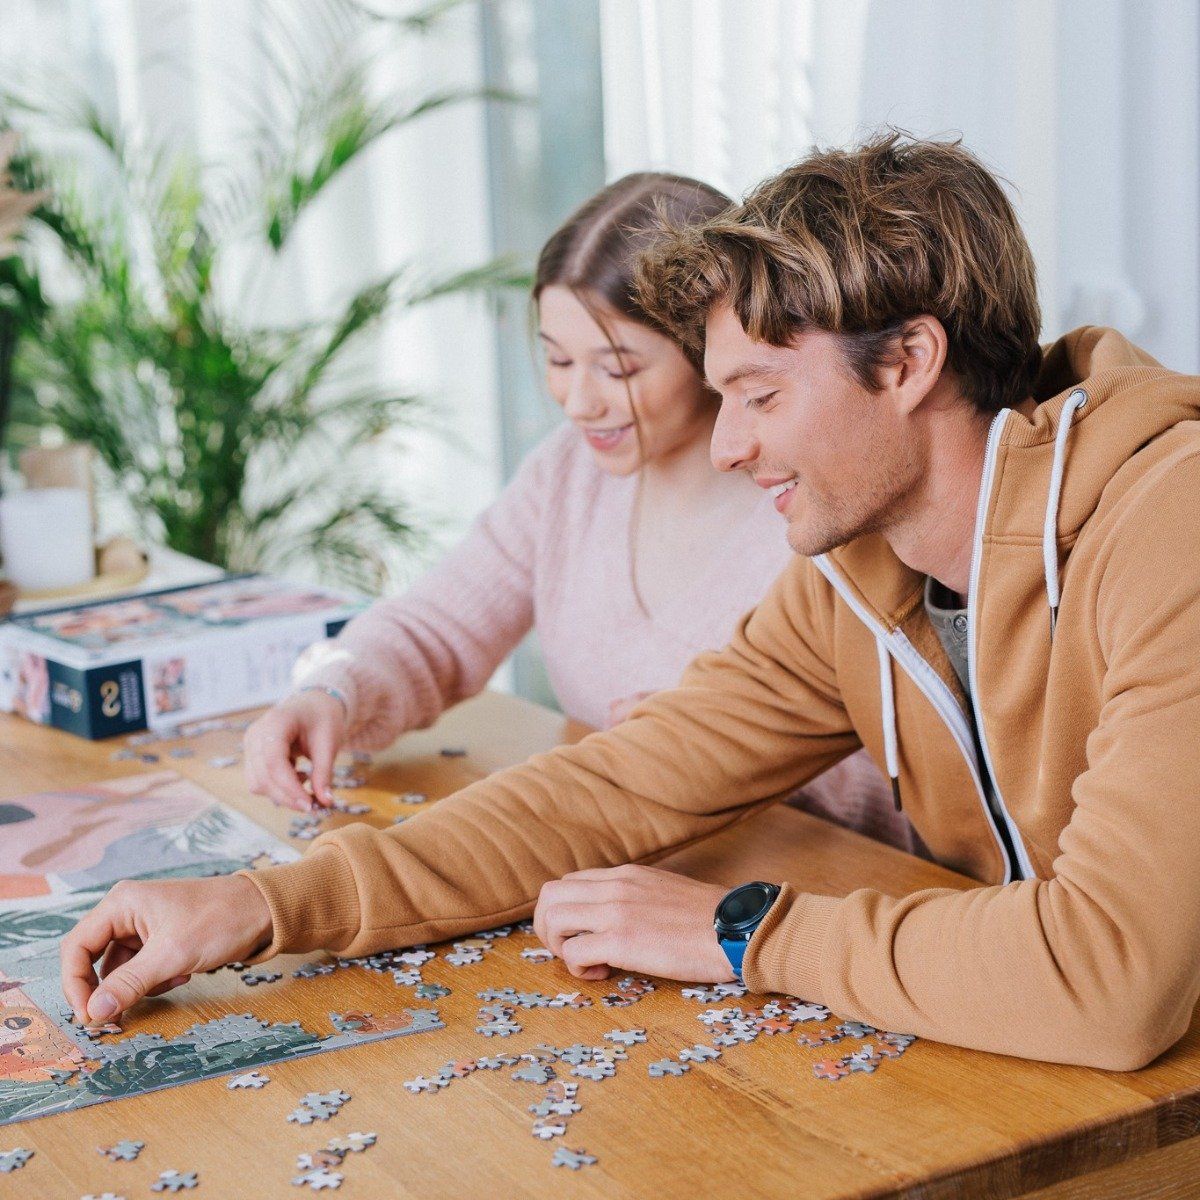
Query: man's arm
(1099, 965)
(746, 726)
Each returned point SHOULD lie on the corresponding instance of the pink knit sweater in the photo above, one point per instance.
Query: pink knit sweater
(552, 554)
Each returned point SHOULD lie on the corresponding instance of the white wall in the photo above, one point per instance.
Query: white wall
(1091, 108)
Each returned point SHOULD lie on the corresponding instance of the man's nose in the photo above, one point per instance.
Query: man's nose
(733, 446)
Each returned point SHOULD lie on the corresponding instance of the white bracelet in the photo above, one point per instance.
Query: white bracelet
(336, 693)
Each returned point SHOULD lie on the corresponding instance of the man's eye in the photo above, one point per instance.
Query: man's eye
(760, 401)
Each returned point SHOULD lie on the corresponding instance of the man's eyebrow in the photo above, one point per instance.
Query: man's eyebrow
(599, 349)
(751, 370)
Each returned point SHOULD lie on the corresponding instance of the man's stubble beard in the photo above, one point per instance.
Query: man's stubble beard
(830, 522)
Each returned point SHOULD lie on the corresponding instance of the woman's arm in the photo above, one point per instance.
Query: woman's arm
(406, 659)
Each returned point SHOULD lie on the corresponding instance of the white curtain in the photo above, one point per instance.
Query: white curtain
(187, 70)
(1088, 107)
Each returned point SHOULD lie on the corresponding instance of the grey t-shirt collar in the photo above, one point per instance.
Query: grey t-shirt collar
(951, 625)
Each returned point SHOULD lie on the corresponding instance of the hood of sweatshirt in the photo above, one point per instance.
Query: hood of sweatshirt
(1100, 402)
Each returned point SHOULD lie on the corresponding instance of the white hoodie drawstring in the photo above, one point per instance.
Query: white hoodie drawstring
(1076, 400)
(891, 744)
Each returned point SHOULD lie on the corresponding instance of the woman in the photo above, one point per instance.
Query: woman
(616, 541)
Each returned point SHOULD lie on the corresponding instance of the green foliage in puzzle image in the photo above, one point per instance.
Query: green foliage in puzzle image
(49, 1065)
(153, 1063)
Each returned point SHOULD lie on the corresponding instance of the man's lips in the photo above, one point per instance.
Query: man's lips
(780, 487)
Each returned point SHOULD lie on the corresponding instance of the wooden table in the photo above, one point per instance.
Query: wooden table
(938, 1122)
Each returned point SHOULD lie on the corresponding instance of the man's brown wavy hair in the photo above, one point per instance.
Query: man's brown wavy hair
(857, 243)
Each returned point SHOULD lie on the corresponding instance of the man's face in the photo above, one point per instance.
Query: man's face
(841, 458)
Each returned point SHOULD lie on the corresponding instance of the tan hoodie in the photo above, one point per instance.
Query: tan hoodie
(1086, 946)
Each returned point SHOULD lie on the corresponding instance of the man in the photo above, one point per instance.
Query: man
(995, 591)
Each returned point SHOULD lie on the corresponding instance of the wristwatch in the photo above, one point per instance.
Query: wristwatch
(737, 917)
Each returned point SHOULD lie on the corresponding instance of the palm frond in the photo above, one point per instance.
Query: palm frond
(422, 19)
(346, 132)
(500, 274)
(15, 204)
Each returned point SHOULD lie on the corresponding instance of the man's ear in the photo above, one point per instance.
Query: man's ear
(915, 365)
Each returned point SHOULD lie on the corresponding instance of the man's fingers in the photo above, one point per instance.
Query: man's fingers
(539, 917)
(149, 968)
(91, 937)
(594, 875)
(117, 954)
(78, 982)
(553, 894)
(587, 956)
(177, 981)
(596, 887)
(563, 921)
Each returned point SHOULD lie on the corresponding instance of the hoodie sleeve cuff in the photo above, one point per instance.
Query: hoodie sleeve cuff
(787, 949)
(314, 903)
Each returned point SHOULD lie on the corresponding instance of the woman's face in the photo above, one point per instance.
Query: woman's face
(592, 375)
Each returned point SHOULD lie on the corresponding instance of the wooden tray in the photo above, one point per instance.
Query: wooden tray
(104, 583)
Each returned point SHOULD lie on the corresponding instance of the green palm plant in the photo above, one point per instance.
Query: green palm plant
(15, 204)
(21, 301)
(237, 442)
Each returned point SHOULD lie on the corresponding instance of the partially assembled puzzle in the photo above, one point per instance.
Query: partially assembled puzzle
(62, 850)
(72, 844)
(155, 825)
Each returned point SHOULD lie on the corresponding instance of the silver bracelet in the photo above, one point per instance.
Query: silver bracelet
(336, 693)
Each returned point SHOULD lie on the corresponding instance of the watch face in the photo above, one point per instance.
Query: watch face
(745, 904)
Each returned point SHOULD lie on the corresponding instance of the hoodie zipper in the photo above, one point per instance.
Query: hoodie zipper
(935, 690)
(972, 742)
(1020, 867)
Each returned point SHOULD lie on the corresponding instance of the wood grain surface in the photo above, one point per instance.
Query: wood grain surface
(937, 1122)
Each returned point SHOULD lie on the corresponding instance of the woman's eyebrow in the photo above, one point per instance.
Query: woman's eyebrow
(606, 349)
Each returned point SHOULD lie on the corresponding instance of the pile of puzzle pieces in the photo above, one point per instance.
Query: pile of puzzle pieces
(319, 1170)
(136, 748)
(501, 1015)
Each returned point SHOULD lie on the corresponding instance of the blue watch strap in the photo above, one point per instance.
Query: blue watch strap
(735, 951)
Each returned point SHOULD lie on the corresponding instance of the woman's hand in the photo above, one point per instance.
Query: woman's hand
(150, 937)
(312, 724)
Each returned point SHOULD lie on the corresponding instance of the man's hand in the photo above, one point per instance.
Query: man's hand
(151, 937)
(633, 919)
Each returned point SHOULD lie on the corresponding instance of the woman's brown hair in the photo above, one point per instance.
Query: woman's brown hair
(595, 254)
(857, 243)
(596, 249)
